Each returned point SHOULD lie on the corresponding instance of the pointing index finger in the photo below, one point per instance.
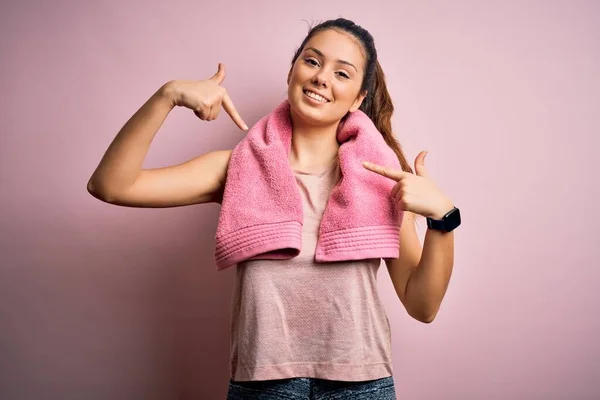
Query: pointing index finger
(235, 116)
(393, 174)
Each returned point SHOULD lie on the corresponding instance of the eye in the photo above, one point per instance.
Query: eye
(311, 61)
(343, 74)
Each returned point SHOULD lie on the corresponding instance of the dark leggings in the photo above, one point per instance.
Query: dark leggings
(312, 389)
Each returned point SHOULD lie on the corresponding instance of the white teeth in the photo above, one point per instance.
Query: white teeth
(315, 96)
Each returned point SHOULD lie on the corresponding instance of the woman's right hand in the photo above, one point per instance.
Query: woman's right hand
(206, 97)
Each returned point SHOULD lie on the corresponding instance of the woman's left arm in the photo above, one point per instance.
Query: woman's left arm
(420, 276)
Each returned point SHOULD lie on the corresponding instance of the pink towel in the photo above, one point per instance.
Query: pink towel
(261, 215)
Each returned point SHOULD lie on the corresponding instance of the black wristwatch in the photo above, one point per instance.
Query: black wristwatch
(448, 223)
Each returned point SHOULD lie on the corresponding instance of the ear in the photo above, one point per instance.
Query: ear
(356, 105)
(290, 75)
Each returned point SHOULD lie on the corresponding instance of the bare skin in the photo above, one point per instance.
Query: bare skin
(119, 178)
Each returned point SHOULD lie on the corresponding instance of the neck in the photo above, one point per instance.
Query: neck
(313, 147)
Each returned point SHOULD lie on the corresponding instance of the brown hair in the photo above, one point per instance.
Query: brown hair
(378, 103)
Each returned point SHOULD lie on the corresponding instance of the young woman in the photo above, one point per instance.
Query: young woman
(302, 329)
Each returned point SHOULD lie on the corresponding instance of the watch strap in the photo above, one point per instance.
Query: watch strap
(436, 224)
(448, 223)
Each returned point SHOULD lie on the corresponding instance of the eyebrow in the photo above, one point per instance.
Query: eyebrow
(340, 61)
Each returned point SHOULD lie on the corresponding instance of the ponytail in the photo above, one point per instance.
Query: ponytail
(379, 107)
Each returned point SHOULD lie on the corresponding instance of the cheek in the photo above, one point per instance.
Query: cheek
(296, 73)
(301, 73)
(345, 92)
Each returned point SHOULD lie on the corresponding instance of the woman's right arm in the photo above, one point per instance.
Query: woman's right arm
(119, 178)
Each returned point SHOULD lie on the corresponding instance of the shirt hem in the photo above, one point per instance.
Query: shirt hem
(336, 372)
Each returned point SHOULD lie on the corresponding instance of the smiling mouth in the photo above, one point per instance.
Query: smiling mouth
(315, 96)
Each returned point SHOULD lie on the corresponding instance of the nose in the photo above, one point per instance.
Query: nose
(320, 79)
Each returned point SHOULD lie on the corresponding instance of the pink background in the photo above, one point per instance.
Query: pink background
(102, 302)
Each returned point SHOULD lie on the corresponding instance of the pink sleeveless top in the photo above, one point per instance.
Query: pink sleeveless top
(297, 318)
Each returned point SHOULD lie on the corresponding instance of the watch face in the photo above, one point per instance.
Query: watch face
(452, 219)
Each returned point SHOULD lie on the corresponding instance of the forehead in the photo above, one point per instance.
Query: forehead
(338, 45)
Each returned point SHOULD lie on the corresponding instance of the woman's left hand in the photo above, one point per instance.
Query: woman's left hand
(415, 192)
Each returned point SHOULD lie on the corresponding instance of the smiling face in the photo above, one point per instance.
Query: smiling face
(325, 80)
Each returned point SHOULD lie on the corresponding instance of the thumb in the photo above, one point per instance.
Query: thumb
(420, 169)
(219, 76)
